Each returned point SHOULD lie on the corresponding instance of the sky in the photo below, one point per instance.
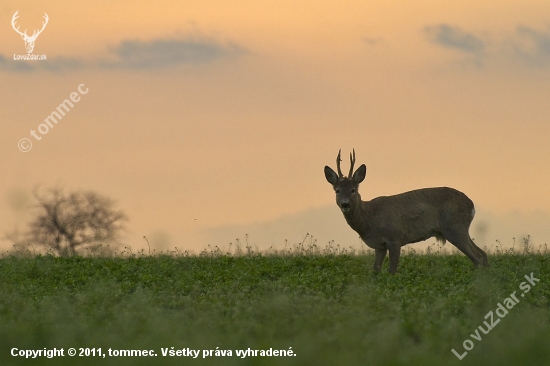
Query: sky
(208, 121)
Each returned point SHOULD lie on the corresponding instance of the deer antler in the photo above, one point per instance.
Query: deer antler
(13, 19)
(352, 160)
(338, 160)
(35, 34)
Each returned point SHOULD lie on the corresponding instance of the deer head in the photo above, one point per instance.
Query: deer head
(346, 188)
(29, 40)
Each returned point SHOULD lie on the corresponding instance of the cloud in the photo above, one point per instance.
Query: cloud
(532, 46)
(159, 53)
(58, 64)
(135, 54)
(15, 66)
(371, 41)
(527, 44)
(327, 223)
(62, 64)
(324, 224)
(453, 37)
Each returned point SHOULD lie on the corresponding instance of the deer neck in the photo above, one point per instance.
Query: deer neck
(357, 217)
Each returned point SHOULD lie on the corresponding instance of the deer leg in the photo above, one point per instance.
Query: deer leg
(379, 256)
(395, 252)
(483, 254)
(466, 246)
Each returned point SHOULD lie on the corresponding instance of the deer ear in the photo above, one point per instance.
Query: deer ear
(360, 174)
(331, 175)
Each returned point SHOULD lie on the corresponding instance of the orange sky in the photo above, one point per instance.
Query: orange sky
(209, 120)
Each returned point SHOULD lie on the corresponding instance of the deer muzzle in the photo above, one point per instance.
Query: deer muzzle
(345, 206)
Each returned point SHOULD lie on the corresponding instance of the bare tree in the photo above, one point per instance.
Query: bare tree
(69, 222)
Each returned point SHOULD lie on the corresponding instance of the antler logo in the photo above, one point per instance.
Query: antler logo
(29, 40)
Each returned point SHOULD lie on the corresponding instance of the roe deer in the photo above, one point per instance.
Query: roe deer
(388, 223)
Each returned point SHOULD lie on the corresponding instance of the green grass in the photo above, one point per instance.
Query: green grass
(330, 309)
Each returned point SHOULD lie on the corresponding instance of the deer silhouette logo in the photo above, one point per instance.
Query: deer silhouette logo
(29, 40)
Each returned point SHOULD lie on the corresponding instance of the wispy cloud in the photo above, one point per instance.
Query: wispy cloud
(371, 41)
(136, 54)
(15, 66)
(159, 53)
(532, 46)
(454, 37)
(527, 44)
(58, 64)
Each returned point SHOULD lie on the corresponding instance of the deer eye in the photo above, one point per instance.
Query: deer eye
(337, 191)
(353, 190)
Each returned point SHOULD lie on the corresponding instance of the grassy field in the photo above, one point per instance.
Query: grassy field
(328, 310)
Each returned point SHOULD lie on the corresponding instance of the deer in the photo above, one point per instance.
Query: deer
(387, 223)
(29, 40)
